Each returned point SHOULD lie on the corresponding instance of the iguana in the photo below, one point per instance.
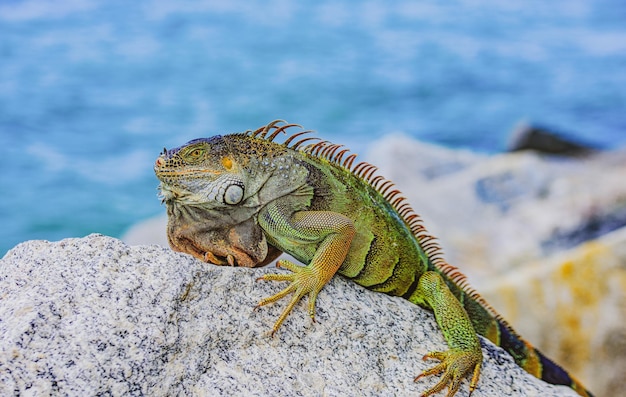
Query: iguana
(242, 199)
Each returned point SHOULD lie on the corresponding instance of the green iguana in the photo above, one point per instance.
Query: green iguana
(242, 199)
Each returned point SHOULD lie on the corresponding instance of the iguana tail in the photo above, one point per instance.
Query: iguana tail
(533, 361)
(492, 326)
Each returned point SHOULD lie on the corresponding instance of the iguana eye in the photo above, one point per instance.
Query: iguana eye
(194, 155)
(233, 194)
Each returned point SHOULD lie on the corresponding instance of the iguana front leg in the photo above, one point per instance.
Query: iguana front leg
(324, 236)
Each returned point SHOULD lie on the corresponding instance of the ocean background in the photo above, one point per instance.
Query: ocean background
(92, 90)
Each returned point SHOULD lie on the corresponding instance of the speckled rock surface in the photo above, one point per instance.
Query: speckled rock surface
(94, 316)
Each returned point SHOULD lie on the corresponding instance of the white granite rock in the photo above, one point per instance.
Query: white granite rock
(150, 231)
(94, 316)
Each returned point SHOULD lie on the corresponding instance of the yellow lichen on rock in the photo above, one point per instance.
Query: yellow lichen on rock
(570, 305)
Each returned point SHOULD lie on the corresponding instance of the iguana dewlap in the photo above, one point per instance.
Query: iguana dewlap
(242, 199)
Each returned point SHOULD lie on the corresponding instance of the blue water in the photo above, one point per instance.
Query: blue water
(92, 90)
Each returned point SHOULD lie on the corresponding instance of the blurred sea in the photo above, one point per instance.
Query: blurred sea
(92, 90)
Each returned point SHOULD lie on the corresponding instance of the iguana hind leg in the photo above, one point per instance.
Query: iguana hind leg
(465, 355)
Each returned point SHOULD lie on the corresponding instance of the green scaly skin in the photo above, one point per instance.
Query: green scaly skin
(242, 199)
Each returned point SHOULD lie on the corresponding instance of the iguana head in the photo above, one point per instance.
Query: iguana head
(213, 188)
(201, 172)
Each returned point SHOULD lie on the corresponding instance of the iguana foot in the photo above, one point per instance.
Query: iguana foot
(455, 365)
(305, 280)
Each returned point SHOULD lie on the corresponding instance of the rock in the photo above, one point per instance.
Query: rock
(572, 305)
(531, 137)
(94, 316)
(150, 231)
(409, 160)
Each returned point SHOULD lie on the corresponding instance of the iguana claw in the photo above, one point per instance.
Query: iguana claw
(456, 365)
(304, 281)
